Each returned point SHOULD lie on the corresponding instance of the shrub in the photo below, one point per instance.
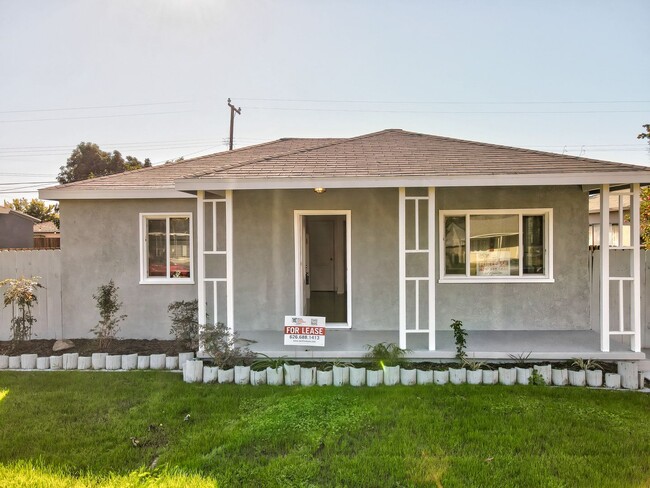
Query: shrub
(459, 338)
(108, 305)
(21, 294)
(185, 322)
(386, 354)
(221, 343)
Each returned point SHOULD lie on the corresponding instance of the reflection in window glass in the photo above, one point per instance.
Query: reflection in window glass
(494, 245)
(533, 244)
(179, 247)
(156, 247)
(455, 251)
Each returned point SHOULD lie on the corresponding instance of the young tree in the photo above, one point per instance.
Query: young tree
(36, 208)
(645, 199)
(89, 161)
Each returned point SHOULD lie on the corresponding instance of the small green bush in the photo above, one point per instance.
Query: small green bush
(108, 305)
(185, 323)
(21, 294)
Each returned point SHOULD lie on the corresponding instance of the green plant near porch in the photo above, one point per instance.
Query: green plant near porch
(185, 322)
(108, 305)
(21, 295)
(265, 361)
(460, 338)
(221, 343)
(386, 354)
(586, 364)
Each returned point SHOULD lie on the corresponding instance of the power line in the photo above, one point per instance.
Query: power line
(440, 102)
(446, 112)
(31, 183)
(94, 117)
(61, 109)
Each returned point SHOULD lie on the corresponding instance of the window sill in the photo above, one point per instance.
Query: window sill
(497, 280)
(169, 281)
(338, 325)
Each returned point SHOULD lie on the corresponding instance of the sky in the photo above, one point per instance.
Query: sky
(152, 78)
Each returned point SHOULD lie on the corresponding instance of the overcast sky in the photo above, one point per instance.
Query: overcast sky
(151, 78)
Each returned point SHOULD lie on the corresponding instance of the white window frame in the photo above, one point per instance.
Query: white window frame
(547, 213)
(144, 279)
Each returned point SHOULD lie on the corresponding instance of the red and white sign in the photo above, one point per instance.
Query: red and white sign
(304, 331)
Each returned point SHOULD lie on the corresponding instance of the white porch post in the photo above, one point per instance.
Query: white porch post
(604, 268)
(635, 264)
(432, 268)
(200, 262)
(402, 267)
(230, 312)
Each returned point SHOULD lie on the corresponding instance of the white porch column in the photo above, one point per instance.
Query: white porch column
(432, 267)
(402, 268)
(635, 264)
(200, 262)
(604, 268)
(230, 312)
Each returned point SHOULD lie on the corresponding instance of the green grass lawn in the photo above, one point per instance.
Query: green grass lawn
(75, 429)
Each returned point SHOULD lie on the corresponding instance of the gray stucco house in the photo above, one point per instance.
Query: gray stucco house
(16, 229)
(389, 235)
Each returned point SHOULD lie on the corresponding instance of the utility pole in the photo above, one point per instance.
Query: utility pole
(233, 110)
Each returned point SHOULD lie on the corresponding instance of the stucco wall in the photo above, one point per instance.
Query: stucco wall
(560, 305)
(100, 241)
(264, 269)
(16, 231)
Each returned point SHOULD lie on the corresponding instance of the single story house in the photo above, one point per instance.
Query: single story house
(16, 229)
(389, 235)
(47, 235)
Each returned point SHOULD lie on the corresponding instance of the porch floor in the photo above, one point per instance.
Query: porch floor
(493, 345)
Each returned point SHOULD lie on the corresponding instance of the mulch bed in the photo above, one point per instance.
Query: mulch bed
(86, 347)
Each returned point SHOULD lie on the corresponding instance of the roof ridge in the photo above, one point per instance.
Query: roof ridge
(337, 140)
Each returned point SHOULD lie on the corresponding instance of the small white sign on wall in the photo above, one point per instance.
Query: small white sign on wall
(304, 331)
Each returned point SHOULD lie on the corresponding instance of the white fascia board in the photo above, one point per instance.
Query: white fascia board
(108, 194)
(193, 184)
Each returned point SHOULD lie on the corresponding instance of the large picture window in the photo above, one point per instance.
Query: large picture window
(166, 248)
(496, 245)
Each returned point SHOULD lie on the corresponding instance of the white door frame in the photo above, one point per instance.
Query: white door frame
(298, 247)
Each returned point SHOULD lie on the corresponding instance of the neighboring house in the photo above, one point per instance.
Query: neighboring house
(389, 235)
(619, 210)
(47, 236)
(16, 229)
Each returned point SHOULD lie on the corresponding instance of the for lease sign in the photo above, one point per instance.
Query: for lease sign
(304, 331)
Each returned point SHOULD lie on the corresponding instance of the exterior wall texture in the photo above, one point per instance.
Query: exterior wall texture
(524, 306)
(100, 242)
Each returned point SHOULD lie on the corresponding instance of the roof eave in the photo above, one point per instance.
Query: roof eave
(624, 177)
(109, 193)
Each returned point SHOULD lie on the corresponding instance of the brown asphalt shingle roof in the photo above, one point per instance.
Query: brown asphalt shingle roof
(388, 153)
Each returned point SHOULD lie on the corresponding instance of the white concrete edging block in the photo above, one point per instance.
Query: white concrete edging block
(612, 380)
(144, 362)
(441, 377)
(474, 377)
(374, 377)
(308, 376)
(391, 375)
(408, 377)
(507, 376)
(629, 372)
(258, 377)
(157, 361)
(291, 374)
(84, 363)
(545, 372)
(340, 375)
(457, 376)
(490, 377)
(424, 377)
(357, 376)
(560, 377)
(577, 378)
(275, 376)
(4, 361)
(28, 361)
(98, 360)
(183, 357)
(70, 360)
(523, 375)
(113, 362)
(210, 374)
(594, 378)
(56, 362)
(14, 362)
(171, 363)
(226, 375)
(324, 378)
(242, 375)
(129, 361)
(193, 371)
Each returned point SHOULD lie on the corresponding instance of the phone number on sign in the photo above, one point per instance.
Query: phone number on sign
(305, 337)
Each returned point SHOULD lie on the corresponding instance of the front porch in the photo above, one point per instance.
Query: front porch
(483, 344)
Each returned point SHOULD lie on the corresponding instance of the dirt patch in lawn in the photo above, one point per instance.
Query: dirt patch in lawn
(86, 347)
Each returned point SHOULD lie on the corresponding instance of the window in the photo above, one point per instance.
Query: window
(166, 248)
(496, 245)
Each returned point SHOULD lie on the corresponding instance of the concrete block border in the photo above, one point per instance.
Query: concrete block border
(98, 361)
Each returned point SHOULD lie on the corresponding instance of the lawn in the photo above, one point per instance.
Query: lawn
(75, 429)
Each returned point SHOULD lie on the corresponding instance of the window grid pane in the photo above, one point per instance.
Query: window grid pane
(534, 244)
(494, 245)
(455, 250)
(156, 247)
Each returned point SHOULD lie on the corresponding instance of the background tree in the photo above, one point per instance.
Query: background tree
(89, 161)
(646, 134)
(645, 199)
(36, 208)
